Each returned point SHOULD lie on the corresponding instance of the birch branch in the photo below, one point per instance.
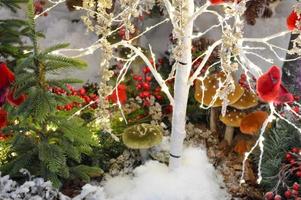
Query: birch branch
(204, 61)
(55, 3)
(155, 73)
(170, 11)
(199, 11)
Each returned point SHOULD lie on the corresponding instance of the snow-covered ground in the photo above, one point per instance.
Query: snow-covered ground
(196, 179)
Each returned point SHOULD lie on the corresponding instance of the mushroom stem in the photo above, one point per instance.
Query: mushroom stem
(144, 155)
(213, 117)
(229, 134)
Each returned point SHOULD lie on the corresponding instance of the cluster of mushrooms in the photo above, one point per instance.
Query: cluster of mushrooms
(240, 113)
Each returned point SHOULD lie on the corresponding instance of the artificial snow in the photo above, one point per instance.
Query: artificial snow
(196, 179)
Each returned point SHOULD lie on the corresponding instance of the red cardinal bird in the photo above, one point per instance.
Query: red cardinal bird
(15, 101)
(121, 94)
(292, 20)
(6, 76)
(270, 89)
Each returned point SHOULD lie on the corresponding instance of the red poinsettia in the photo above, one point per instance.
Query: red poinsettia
(122, 96)
(3, 118)
(15, 101)
(292, 20)
(270, 89)
(6, 76)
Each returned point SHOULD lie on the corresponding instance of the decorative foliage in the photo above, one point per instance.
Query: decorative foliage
(46, 142)
(279, 164)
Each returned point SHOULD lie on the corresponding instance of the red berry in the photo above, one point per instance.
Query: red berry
(243, 77)
(146, 103)
(277, 197)
(82, 91)
(288, 156)
(148, 78)
(141, 95)
(68, 106)
(296, 109)
(295, 193)
(146, 94)
(139, 86)
(292, 161)
(288, 194)
(269, 196)
(146, 86)
(146, 70)
(295, 150)
(87, 99)
(296, 186)
(136, 77)
(159, 97)
(298, 174)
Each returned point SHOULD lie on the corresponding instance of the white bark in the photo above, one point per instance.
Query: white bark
(181, 91)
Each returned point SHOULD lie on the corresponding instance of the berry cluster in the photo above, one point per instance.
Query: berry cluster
(143, 85)
(39, 7)
(289, 172)
(81, 93)
(244, 82)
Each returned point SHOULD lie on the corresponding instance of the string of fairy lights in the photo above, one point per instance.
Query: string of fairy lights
(224, 23)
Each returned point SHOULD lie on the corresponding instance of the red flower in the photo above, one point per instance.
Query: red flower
(270, 89)
(6, 76)
(121, 94)
(292, 20)
(15, 101)
(3, 118)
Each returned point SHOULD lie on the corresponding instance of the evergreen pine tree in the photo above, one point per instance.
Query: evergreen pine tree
(45, 141)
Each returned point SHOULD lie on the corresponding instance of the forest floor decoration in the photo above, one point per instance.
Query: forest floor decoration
(171, 124)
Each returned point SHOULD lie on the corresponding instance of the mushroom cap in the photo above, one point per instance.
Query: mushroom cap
(142, 136)
(211, 84)
(232, 118)
(252, 123)
(242, 146)
(246, 101)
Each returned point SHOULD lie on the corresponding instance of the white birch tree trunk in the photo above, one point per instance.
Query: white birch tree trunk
(181, 92)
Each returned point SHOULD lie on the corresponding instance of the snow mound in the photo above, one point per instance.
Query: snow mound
(195, 180)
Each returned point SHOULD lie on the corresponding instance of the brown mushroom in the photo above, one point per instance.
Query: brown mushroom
(252, 123)
(247, 100)
(232, 119)
(206, 90)
(242, 146)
